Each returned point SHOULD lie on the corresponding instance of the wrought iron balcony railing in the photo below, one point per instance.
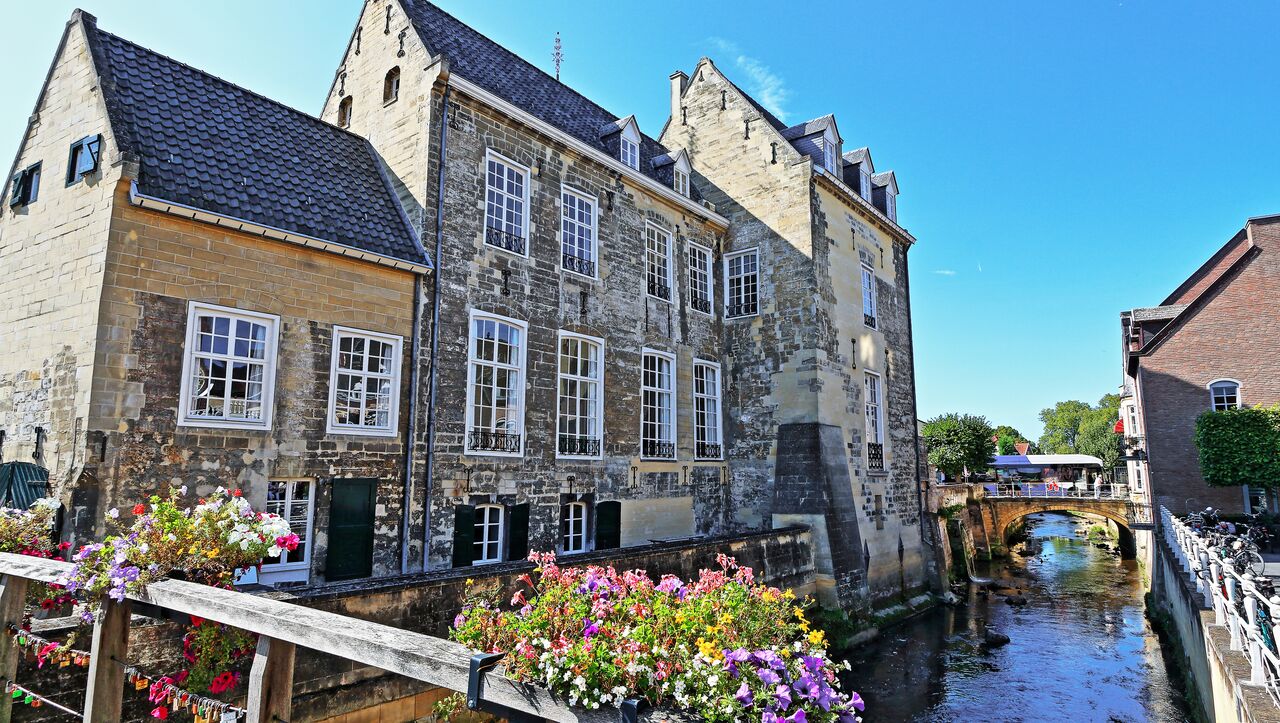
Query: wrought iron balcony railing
(487, 440)
(579, 446)
(658, 450)
(869, 320)
(875, 455)
(701, 304)
(708, 450)
(743, 309)
(504, 240)
(659, 289)
(577, 264)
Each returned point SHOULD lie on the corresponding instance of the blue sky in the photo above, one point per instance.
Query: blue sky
(1058, 162)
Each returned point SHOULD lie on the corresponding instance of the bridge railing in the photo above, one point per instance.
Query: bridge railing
(1076, 490)
(282, 628)
(1248, 614)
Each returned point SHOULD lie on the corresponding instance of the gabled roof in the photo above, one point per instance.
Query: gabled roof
(1157, 313)
(513, 79)
(888, 178)
(861, 155)
(811, 127)
(669, 158)
(206, 144)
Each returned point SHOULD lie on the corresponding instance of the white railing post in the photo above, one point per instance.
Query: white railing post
(1233, 615)
(1257, 673)
(1219, 608)
(103, 698)
(1203, 584)
(13, 596)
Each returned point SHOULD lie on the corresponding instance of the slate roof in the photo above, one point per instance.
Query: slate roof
(517, 81)
(857, 156)
(206, 143)
(809, 127)
(1156, 313)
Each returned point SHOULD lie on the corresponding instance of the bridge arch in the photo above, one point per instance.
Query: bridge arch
(1006, 511)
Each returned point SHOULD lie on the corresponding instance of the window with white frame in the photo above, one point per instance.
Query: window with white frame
(681, 182)
(495, 389)
(658, 261)
(1137, 477)
(294, 500)
(868, 296)
(891, 206)
(487, 541)
(229, 368)
(829, 156)
(742, 283)
(578, 232)
(658, 414)
(364, 382)
(506, 203)
(700, 278)
(864, 180)
(1224, 394)
(629, 151)
(573, 527)
(874, 420)
(706, 411)
(581, 381)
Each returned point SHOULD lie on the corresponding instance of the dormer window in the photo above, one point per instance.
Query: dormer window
(391, 85)
(630, 152)
(681, 182)
(680, 174)
(344, 113)
(864, 181)
(891, 206)
(828, 154)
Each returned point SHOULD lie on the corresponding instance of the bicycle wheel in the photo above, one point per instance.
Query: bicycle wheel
(1249, 561)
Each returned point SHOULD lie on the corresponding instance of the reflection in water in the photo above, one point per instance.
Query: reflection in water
(1081, 648)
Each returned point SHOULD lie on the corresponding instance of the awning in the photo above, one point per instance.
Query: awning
(21, 484)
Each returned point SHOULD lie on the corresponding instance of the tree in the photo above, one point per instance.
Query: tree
(1062, 426)
(1240, 446)
(1098, 438)
(1073, 427)
(959, 442)
(1007, 439)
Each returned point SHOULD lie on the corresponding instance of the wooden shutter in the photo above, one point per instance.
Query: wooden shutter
(464, 533)
(608, 525)
(518, 532)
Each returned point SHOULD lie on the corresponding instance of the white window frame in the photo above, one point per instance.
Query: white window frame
(629, 146)
(1213, 400)
(566, 510)
(709, 282)
(272, 322)
(483, 541)
(594, 229)
(670, 262)
(869, 296)
(728, 297)
(867, 378)
(864, 179)
(680, 181)
(828, 154)
(522, 382)
(492, 156)
(718, 397)
(672, 409)
(891, 205)
(397, 344)
(599, 382)
(293, 570)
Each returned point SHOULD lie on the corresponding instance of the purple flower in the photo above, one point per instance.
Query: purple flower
(814, 664)
(797, 717)
(806, 686)
(856, 701)
(782, 695)
(745, 696)
(669, 583)
(768, 717)
(768, 677)
(591, 629)
(733, 657)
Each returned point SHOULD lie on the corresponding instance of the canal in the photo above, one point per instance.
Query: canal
(1080, 649)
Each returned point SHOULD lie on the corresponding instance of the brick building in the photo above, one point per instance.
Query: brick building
(1211, 344)
(599, 337)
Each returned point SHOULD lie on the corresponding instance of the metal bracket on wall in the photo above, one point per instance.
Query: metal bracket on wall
(480, 664)
(631, 709)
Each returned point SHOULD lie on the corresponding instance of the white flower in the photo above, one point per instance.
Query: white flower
(113, 513)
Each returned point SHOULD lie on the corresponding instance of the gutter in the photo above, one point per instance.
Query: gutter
(411, 433)
(182, 210)
(865, 205)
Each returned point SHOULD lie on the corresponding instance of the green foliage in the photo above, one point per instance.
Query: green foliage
(1240, 446)
(1073, 427)
(950, 511)
(1062, 426)
(1006, 444)
(959, 441)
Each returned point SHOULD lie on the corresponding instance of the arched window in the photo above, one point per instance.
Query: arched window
(344, 113)
(391, 85)
(1224, 394)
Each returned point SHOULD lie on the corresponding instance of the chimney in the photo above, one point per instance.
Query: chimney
(679, 81)
(1022, 448)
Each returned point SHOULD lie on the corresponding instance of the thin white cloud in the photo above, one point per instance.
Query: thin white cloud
(979, 267)
(944, 272)
(762, 82)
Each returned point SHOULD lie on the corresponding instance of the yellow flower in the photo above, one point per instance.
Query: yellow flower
(726, 620)
(816, 638)
(470, 582)
(212, 553)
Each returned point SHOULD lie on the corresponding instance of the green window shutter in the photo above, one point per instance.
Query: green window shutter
(464, 533)
(15, 189)
(608, 525)
(518, 532)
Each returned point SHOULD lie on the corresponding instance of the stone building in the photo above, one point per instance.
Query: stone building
(599, 336)
(1211, 344)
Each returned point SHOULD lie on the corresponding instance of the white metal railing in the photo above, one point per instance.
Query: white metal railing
(1249, 615)
(1073, 490)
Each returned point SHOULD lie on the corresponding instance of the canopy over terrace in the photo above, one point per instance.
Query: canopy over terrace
(1046, 473)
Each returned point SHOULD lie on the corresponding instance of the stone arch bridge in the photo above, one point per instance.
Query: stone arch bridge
(994, 515)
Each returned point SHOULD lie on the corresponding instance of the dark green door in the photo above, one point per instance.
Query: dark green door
(350, 553)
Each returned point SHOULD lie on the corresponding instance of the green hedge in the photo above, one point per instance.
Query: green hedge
(1240, 446)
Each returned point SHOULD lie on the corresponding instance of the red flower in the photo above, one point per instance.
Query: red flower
(236, 492)
(221, 683)
(139, 509)
(64, 545)
(197, 621)
(160, 712)
(181, 677)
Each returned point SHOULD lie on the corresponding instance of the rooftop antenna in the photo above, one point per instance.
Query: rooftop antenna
(557, 55)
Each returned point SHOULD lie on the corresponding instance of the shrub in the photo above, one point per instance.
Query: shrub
(725, 646)
(1240, 446)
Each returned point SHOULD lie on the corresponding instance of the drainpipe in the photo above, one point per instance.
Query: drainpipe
(411, 432)
(435, 330)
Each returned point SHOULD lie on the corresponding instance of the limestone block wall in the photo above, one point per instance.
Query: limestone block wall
(52, 255)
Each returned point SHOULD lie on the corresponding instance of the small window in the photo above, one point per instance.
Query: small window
(581, 382)
(829, 154)
(1224, 394)
(294, 500)
(706, 411)
(875, 426)
(864, 180)
(700, 278)
(681, 182)
(391, 85)
(84, 158)
(891, 206)
(658, 262)
(25, 186)
(344, 113)
(364, 383)
(573, 527)
(487, 539)
(630, 152)
(228, 368)
(578, 233)
(495, 389)
(742, 284)
(506, 198)
(868, 296)
(657, 391)
(1257, 500)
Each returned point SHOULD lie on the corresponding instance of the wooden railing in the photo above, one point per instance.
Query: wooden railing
(282, 629)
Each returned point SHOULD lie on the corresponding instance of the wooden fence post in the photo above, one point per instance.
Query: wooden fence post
(271, 681)
(13, 597)
(105, 693)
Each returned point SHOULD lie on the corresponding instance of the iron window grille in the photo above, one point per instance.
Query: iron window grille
(486, 440)
(578, 265)
(661, 450)
(579, 446)
(506, 189)
(708, 450)
(875, 456)
(504, 240)
(742, 279)
(700, 304)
